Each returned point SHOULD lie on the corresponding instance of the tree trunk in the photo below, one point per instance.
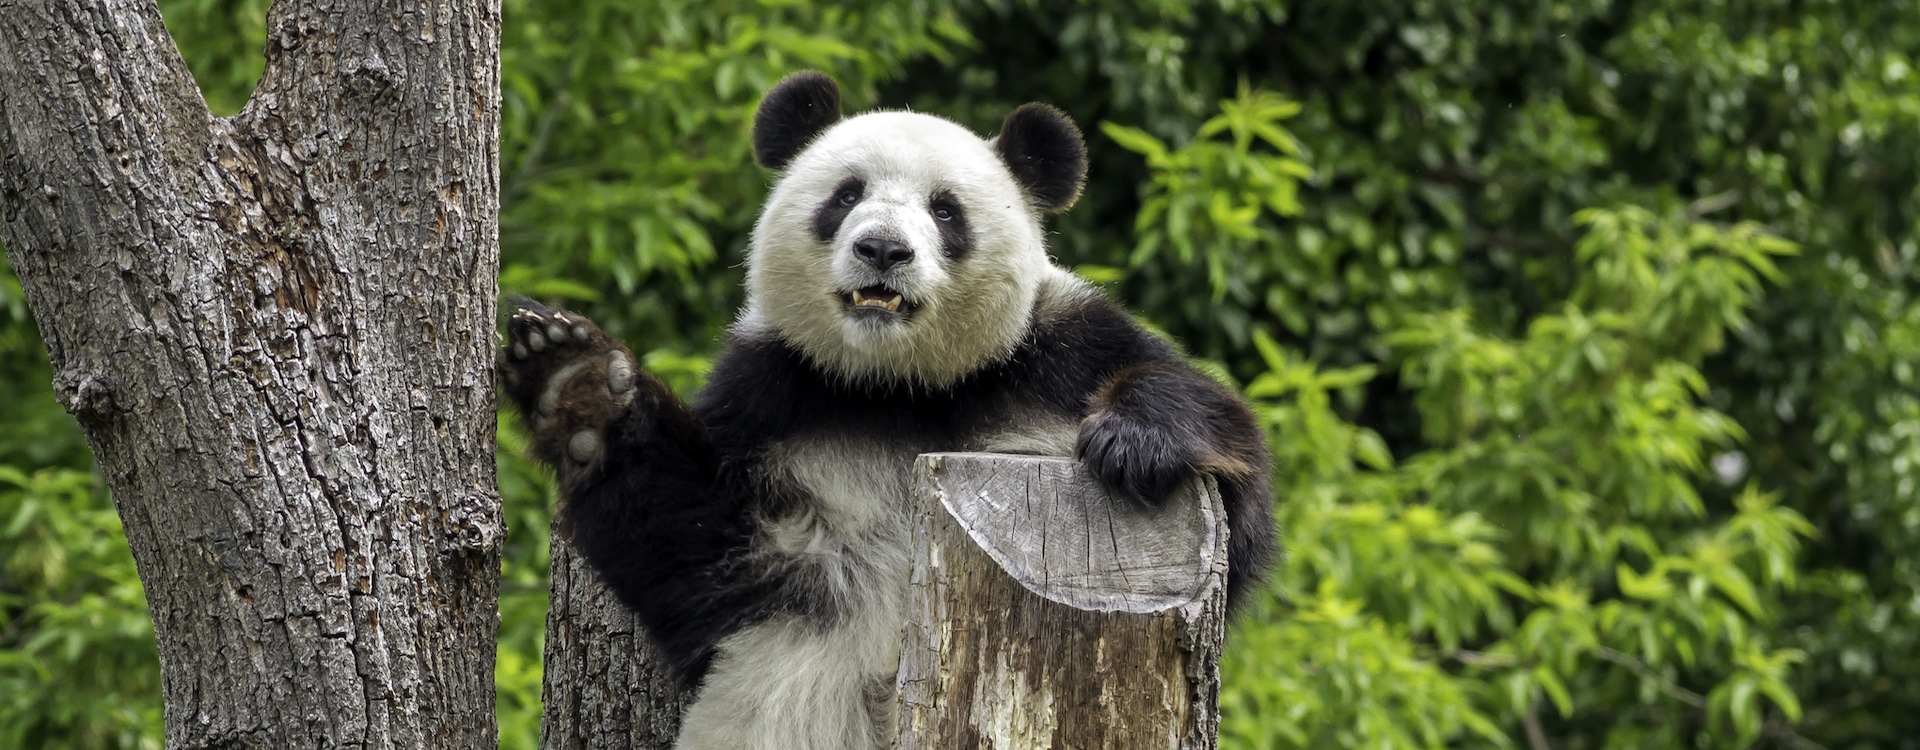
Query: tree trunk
(276, 330)
(1045, 614)
(605, 685)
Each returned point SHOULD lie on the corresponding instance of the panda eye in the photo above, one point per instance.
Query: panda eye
(847, 197)
(943, 212)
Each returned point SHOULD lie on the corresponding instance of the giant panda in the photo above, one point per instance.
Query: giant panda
(900, 300)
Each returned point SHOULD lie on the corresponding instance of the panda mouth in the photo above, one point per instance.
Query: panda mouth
(877, 299)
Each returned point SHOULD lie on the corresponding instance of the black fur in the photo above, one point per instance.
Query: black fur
(955, 240)
(1044, 150)
(798, 108)
(668, 518)
(834, 210)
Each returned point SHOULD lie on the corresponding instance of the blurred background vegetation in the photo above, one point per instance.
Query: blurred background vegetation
(1585, 332)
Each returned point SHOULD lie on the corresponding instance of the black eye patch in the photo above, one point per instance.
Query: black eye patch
(951, 218)
(834, 210)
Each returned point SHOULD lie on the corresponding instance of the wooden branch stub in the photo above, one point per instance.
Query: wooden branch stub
(606, 685)
(1044, 614)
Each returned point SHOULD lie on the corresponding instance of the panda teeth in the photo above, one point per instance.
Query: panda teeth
(891, 303)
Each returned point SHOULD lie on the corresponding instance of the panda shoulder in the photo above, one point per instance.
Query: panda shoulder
(756, 390)
(1071, 313)
(1078, 339)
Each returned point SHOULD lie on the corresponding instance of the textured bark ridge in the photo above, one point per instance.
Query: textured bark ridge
(606, 687)
(277, 332)
(1044, 614)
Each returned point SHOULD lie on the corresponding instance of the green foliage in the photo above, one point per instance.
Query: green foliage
(528, 493)
(78, 667)
(1584, 332)
(1548, 547)
(1223, 194)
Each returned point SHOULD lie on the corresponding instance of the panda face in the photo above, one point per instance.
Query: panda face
(897, 246)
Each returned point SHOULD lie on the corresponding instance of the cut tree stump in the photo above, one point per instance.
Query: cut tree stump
(1045, 614)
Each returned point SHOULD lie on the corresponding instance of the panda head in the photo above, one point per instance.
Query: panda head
(901, 248)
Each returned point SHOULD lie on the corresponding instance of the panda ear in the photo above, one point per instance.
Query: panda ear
(798, 108)
(1046, 154)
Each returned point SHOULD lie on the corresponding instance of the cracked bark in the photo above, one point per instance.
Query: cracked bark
(276, 330)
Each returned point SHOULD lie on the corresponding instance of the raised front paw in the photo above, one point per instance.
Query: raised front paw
(568, 378)
(1136, 459)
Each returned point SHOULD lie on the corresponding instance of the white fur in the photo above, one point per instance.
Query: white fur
(798, 684)
(970, 313)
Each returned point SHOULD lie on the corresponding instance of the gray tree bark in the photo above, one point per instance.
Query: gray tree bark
(276, 330)
(605, 686)
(1045, 614)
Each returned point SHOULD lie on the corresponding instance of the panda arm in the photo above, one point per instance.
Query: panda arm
(667, 523)
(1156, 424)
(650, 501)
(1150, 421)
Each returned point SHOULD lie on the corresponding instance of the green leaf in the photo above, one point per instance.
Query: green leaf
(1555, 689)
(1137, 141)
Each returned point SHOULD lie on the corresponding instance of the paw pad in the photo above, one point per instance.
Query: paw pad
(619, 374)
(569, 378)
(583, 447)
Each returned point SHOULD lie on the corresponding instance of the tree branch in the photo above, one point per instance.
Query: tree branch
(1645, 672)
(97, 106)
(1536, 735)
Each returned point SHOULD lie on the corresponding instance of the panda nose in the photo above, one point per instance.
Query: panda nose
(881, 254)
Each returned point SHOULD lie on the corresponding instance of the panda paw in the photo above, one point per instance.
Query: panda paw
(1135, 459)
(569, 379)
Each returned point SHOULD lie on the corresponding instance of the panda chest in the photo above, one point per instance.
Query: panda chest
(848, 484)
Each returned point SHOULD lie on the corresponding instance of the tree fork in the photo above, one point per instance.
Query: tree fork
(276, 330)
